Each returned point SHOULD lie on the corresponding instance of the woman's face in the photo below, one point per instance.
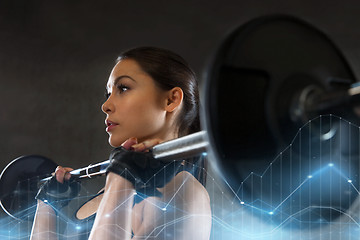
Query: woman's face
(135, 106)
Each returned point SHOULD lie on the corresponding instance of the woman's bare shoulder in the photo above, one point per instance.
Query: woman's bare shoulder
(184, 187)
(187, 206)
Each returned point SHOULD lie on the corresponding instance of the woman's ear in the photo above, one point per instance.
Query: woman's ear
(174, 99)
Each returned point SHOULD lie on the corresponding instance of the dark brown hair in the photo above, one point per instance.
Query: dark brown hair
(170, 70)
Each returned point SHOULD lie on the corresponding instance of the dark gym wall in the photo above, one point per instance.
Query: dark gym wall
(55, 58)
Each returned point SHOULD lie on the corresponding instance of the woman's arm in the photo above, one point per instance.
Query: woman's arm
(193, 207)
(44, 226)
(188, 215)
(113, 218)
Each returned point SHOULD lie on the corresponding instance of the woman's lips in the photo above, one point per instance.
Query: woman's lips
(110, 125)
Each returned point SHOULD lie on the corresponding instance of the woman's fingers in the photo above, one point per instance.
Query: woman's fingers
(146, 145)
(128, 143)
(63, 173)
(132, 144)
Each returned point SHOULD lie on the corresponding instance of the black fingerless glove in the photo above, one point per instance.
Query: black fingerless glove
(56, 194)
(144, 171)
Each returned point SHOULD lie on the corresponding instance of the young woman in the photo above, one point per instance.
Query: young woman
(152, 96)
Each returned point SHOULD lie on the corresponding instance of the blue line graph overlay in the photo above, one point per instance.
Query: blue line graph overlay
(309, 191)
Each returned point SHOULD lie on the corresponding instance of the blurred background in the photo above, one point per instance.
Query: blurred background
(56, 56)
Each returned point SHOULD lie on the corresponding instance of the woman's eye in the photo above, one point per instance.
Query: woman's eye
(122, 88)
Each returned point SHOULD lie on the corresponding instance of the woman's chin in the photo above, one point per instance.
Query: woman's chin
(115, 142)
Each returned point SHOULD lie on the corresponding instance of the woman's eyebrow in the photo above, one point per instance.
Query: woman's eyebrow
(119, 78)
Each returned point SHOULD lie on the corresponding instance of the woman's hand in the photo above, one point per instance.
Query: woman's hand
(146, 145)
(133, 162)
(44, 226)
(59, 190)
(132, 144)
(63, 173)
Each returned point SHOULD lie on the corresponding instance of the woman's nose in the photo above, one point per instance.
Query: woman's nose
(107, 106)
